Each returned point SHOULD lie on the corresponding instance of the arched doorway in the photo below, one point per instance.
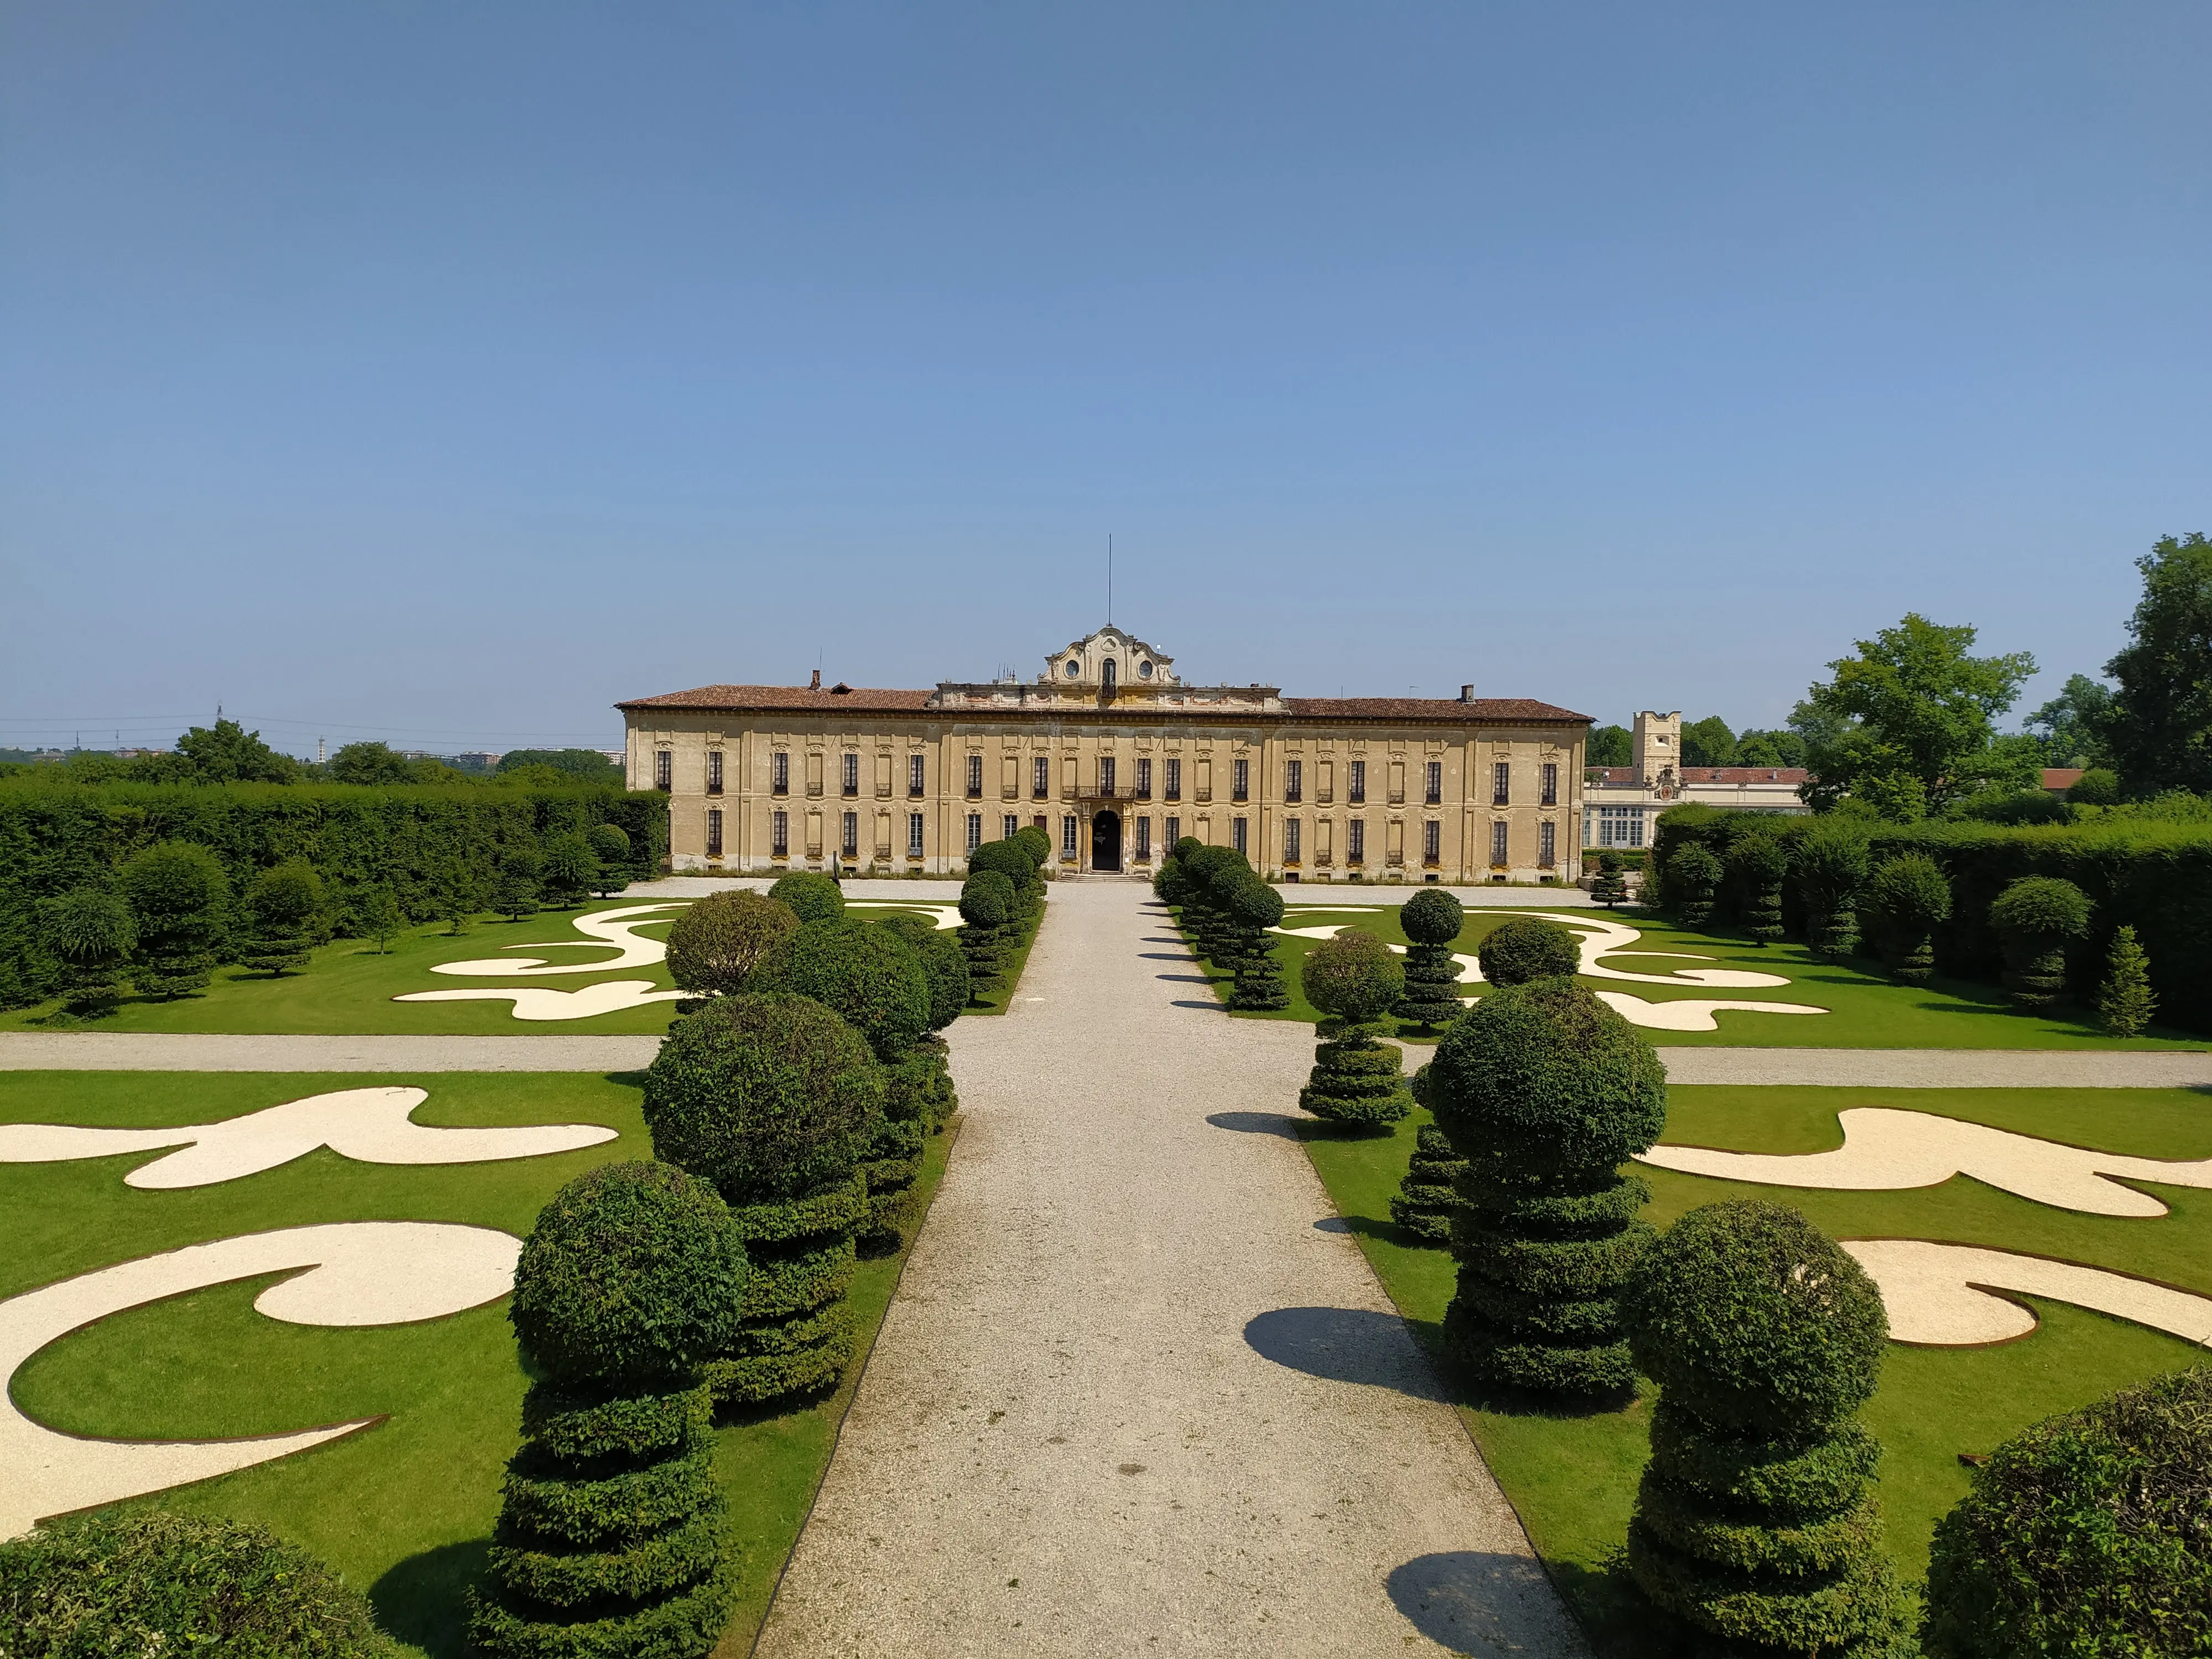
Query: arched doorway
(1106, 842)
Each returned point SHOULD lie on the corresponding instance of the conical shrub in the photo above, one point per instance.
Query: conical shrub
(2126, 1003)
(1353, 980)
(1427, 1200)
(1757, 864)
(987, 914)
(1692, 875)
(1252, 907)
(2035, 919)
(1431, 920)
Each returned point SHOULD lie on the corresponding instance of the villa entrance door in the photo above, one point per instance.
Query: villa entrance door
(1106, 842)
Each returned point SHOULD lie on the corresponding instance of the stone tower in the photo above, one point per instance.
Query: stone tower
(1658, 739)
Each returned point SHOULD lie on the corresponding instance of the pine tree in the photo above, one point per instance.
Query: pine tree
(382, 919)
(514, 894)
(2127, 1001)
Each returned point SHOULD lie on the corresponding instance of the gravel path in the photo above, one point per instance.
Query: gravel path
(1136, 1394)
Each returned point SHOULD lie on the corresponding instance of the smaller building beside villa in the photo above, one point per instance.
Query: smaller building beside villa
(1621, 804)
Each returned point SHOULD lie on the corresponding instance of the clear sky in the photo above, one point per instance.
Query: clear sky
(444, 372)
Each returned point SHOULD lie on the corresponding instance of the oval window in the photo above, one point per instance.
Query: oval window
(1073, 668)
(1144, 671)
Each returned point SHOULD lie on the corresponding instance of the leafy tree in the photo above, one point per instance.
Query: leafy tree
(460, 888)
(715, 946)
(382, 919)
(2125, 1005)
(2035, 919)
(1831, 874)
(91, 934)
(514, 890)
(283, 901)
(2099, 785)
(1909, 720)
(2157, 729)
(610, 847)
(1757, 864)
(228, 753)
(178, 895)
(1354, 980)
(1609, 745)
(587, 765)
(1431, 920)
(570, 867)
(1783, 746)
(370, 762)
(1708, 741)
(1907, 898)
(2071, 725)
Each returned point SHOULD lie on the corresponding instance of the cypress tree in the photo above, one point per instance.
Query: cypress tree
(1353, 980)
(1431, 920)
(2127, 1002)
(1757, 864)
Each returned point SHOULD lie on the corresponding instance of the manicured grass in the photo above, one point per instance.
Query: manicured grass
(1866, 1009)
(405, 1509)
(1573, 1479)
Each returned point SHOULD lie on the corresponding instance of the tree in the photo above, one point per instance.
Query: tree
(811, 896)
(2071, 725)
(1610, 887)
(382, 918)
(1782, 747)
(1756, 1522)
(1831, 873)
(1757, 864)
(1910, 719)
(2034, 919)
(1431, 920)
(611, 1538)
(1253, 906)
(459, 889)
(1524, 948)
(583, 765)
(2158, 728)
(91, 934)
(1708, 741)
(178, 895)
(1609, 745)
(570, 865)
(228, 753)
(1692, 873)
(1354, 980)
(514, 890)
(1907, 899)
(1427, 1199)
(283, 902)
(2126, 1003)
(986, 910)
(715, 946)
(372, 763)
(2097, 787)
(610, 847)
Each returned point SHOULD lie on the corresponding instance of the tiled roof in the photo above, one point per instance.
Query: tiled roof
(735, 699)
(832, 698)
(2059, 779)
(1450, 709)
(1690, 775)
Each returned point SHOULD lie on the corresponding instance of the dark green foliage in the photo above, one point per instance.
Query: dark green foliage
(178, 895)
(2100, 786)
(2089, 1534)
(1252, 907)
(987, 905)
(380, 919)
(2035, 919)
(1609, 745)
(715, 945)
(942, 960)
(918, 1099)
(1527, 948)
(1012, 859)
(1353, 977)
(610, 843)
(1546, 1091)
(2158, 726)
(2126, 1003)
(92, 935)
(1354, 980)
(1610, 887)
(1757, 864)
(1692, 875)
(811, 896)
(155, 1583)
(570, 867)
(611, 1539)
(514, 891)
(1756, 1521)
(585, 765)
(1037, 844)
(370, 763)
(1831, 874)
(867, 974)
(282, 903)
(1908, 898)
(1426, 1201)
(228, 753)
(1432, 918)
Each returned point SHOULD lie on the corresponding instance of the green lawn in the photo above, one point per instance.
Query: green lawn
(1867, 1010)
(1573, 1479)
(404, 1509)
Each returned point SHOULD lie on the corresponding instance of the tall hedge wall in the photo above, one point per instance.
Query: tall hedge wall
(55, 835)
(2155, 878)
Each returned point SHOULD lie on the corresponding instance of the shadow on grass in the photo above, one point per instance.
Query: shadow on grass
(424, 1599)
(1366, 1226)
(1620, 1621)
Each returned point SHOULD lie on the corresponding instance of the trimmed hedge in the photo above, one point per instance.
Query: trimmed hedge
(715, 945)
(1427, 1200)
(2088, 1534)
(943, 961)
(1354, 980)
(1431, 920)
(1527, 948)
(418, 842)
(988, 908)
(811, 896)
(1546, 1091)
(1756, 1521)
(610, 1540)
(1252, 907)
(154, 1582)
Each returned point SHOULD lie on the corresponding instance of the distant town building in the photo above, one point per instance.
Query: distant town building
(1620, 803)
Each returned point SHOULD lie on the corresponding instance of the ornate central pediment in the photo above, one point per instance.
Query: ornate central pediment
(1109, 658)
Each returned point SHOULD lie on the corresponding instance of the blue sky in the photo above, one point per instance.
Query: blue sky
(446, 373)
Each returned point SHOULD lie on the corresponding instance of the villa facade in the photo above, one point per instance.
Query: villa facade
(1622, 804)
(1115, 758)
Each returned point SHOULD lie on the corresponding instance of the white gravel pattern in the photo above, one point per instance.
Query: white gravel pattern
(1138, 1392)
(1952, 1296)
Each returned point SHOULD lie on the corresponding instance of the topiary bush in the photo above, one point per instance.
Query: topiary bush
(1012, 859)
(2126, 1002)
(715, 946)
(2089, 1534)
(1426, 1200)
(283, 902)
(811, 896)
(91, 934)
(1545, 1092)
(775, 1101)
(1907, 898)
(986, 916)
(151, 1582)
(1831, 873)
(1525, 948)
(1693, 876)
(1038, 844)
(1757, 864)
(1611, 886)
(943, 961)
(177, 894)
(1756, 1521)
(2035, 919)
(516, 889)
(1431, 920)
(1354, 980)
(610, 1535)
(1252, 907)
(1212, 873)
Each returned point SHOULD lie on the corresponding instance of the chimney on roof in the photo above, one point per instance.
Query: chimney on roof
(814, 684)
(1467, 694)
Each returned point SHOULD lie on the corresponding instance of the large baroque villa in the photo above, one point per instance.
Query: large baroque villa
(1112, 755)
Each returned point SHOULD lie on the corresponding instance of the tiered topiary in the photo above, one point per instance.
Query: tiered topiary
(1038, 844)
(872, 979)
(1757, 1521)
(772, 1098)
(1906, 899)
(611, 1538)
(91, 934)
(1012, 859)
(1692, 875)
(153, 1582)
(1215, 873)
(1525, 948)
(1832, 873)
(610, 847)
(177, 892)
(1757, 864)
(2126, 1003)
(2034, 919)
(986, 916)
(1611, 886)
(811, 896)
(715, 945)
(2090, 1533)
(283, 903)
(1545, 1092)
(1251, 907)
(1354, 980)
(1431, 920)
(1171, 881)
(1428, 1197)
(925, 1073)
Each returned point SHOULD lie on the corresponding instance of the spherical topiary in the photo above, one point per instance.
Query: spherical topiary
(1692, 873)
(610, 843)
(633, 1276)
(1251, 907)
(1433, 916)
(1906, 899)
(1353, 977)
(942, 960)
(811, 896)
(1545, 1092)
(2089, 1534)
(1431, 920)
(1354, 980)
(1012, 859)
(2035, 919)
(1757, 864)
(715, 945)
(1525, 948)
(157, 1582)
(868, 975)
(1038, 844)
(1756, 1521)
(178, 893)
